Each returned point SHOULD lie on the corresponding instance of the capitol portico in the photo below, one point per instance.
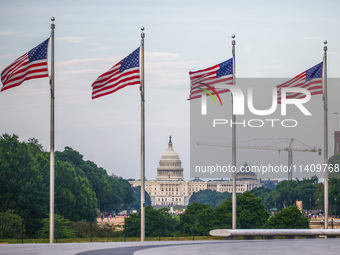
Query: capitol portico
(170, 188)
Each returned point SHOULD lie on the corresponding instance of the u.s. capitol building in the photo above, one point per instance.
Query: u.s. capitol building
(170, 188)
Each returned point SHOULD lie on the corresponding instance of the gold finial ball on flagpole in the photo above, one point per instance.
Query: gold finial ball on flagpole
(52, 19)
(233, 36)
(325, 42)
(142, 28)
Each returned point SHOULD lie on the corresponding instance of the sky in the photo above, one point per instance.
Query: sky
(273, 39)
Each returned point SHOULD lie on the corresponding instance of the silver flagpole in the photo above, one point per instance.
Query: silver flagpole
(52, 137)
(325, 133)
(142, 189)
(233, 146)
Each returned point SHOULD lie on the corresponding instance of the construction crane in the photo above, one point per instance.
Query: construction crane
(289, 149)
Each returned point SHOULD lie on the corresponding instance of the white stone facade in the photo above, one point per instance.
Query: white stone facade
(170, 189)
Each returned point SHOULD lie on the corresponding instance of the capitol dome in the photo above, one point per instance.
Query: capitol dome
(170, 166)
(245, 173)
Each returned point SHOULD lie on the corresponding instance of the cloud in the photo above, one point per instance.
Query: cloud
(7, 33)
(103, 48)
(310, 38)
(163, 55)
(164, 71)
(6, 56)
(77, 63)
(71, 39)
(155, 61)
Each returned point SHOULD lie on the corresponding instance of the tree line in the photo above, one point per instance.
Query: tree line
(310, 191)
(81, 187)
(198, 218)
(210, 197)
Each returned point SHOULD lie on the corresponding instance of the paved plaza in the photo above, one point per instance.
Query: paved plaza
(285, 246)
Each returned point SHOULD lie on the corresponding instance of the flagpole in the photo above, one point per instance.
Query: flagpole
(233, 146)
(142, 190)
(52, 137)
(325, 134)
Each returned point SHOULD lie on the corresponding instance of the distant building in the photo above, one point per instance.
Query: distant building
(336, 142)
(269, 183)
(170, 188)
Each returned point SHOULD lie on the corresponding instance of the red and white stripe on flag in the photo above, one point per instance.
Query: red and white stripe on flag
(123, 74)
(310, 79)
(31, 65)
(209, 77)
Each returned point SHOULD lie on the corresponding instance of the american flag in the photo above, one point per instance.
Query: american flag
(218, 74)
(310, 79)
(31, 65)
(123, 74)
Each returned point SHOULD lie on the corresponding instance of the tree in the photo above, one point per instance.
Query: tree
(136, 204)
(112, 193)
(288, 218)
(319, 196)
(23, 182)
(250, 212)
(61, 228)
(125, 190)
(334, 161)
(285, 193)
(266, 194)
(210, 197)
(305, 191)
(85, 229)
(314, 179)
(269, 185)
(74, 198)
(288, 192)
(334, 196)
(11, 225)
(196, 220)
(157, 223)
